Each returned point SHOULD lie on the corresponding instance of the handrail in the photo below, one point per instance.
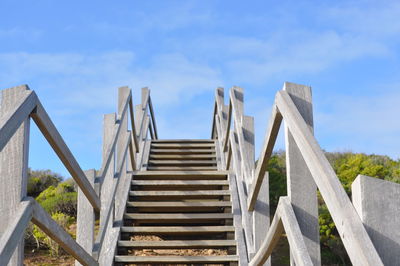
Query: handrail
(284, 219)
(28, 105)
(354, 236)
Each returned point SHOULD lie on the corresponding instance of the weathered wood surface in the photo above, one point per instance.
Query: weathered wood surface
(261, 220)
(301, 187)
(85, 219)
(14, 166)
(354, 236)
(44, 221)
(284, 219)
(269, 143)
(177, 259)
(10, 120)
(55, 140)
(14, 231)
(377, 202)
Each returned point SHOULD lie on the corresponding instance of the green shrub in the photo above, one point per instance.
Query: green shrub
(62, 198)
(43, 240)
(39, 180)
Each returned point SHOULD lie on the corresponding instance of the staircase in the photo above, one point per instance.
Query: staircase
(179, 209)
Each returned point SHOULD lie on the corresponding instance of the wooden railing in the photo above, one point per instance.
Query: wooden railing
(307, 170)
(103, 193)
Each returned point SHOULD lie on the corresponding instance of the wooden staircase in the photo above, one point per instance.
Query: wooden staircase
(179, 209)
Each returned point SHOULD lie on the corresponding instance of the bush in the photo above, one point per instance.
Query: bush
(39, 180)
(42, 239)
(62, 198)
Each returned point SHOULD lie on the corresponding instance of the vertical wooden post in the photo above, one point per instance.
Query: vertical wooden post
(108, 130)
(85, 218)
(302, 189)
(13, 168)
(123, 93)
(261, 219)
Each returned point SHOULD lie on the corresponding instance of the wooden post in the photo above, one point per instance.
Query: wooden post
(261, 218)
(106, 187)
(301, 187)
(122, 94)
(85, 218)
(13, 168)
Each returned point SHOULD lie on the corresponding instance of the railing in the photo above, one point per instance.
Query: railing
(104, 192)
(307, 170)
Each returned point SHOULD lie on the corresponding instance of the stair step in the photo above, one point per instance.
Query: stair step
(176, 259)
(186, 194)
(183, 145)
(182, 151)
(177, 168)
(180, 182)
(182, 157)
(173, 244)
(182, 141)
(182, 162)
(177, 229)
(161, 217)
(178, 206)
(180, 175)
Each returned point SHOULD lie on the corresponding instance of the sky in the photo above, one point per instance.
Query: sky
(75, 54)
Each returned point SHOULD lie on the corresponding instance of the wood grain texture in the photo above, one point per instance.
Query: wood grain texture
(44, 221)
(354, 236)
(85, 219)
(301, 187)
(15, 230)
(13, 166)
(58, 144)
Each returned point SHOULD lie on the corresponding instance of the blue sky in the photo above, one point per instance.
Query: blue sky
(75, 54)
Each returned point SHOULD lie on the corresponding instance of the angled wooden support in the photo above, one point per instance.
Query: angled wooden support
(55, 140)
(284, 219)
(15, 231)
(301, 187)
(354, 236)
(266, 152)
(14, 157)
(44, 221)
(11, 120)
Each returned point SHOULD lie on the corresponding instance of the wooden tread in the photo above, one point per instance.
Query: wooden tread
(177, 168)
(182, 151)
(182, 141)
(182, 162)
(177, 244)
(182, 157)
(182, 145)
(176, 259)
(177, 229)
(180, 182)
(172, 204)
(177, 216)
(180, 193)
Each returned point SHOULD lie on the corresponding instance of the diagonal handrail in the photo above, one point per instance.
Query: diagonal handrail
(28, 105)
(284, 219)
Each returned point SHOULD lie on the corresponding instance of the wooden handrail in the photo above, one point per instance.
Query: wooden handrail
(28, 105)
(354, 236)
(356, 241)
(15, 230)
(111, 199)
(269, 143)
(10, 122)
(55, 140)
(284, 219)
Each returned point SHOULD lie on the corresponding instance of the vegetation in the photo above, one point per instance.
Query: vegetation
(59, 199)
(347, 166)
